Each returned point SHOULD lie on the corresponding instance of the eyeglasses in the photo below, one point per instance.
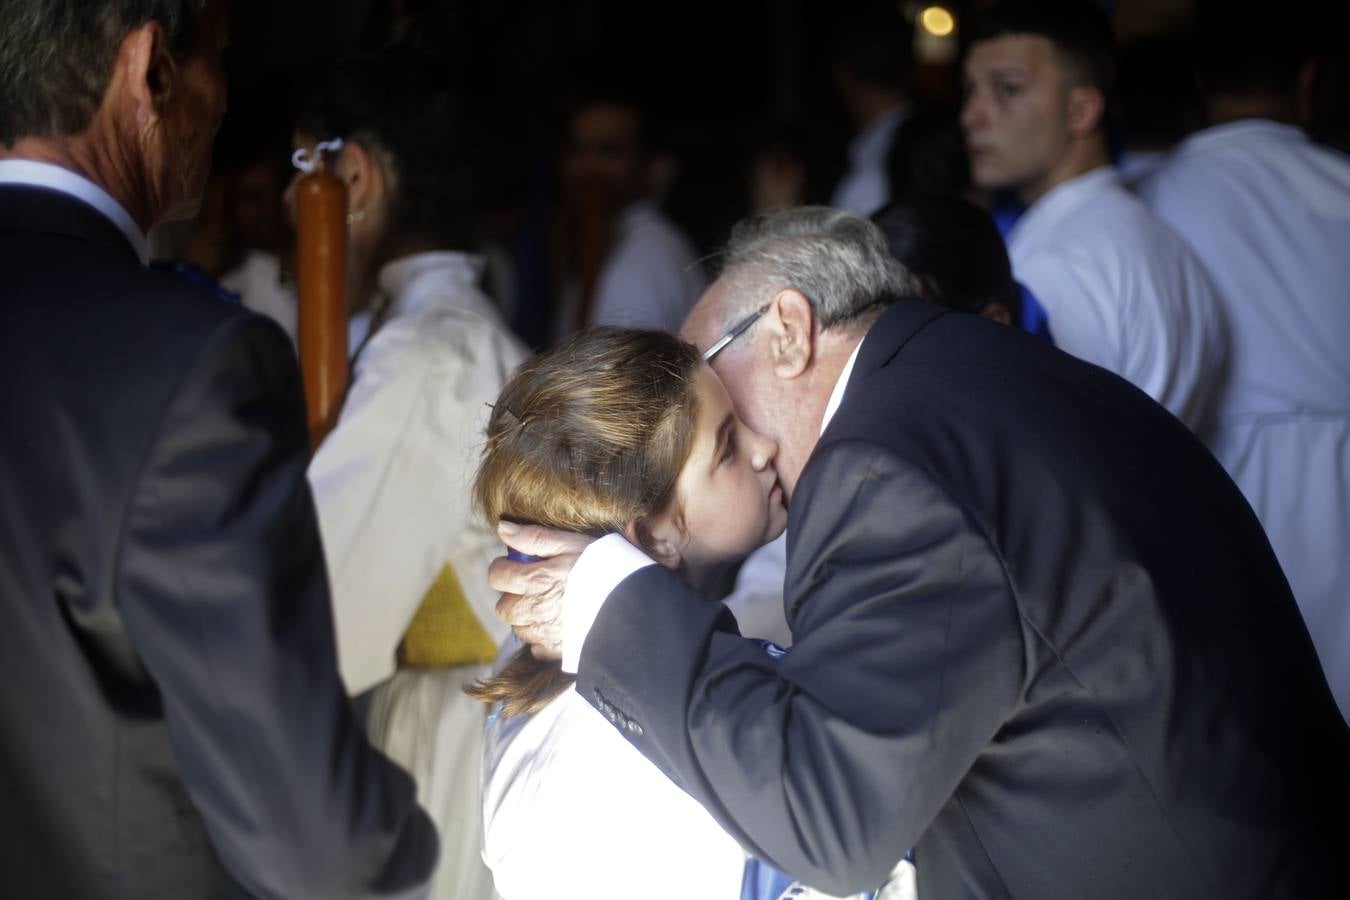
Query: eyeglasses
(736, 331)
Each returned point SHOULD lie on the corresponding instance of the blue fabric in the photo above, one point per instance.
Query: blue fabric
(1005, 211)
(762, 881)
(193, 275)
(1034, 319)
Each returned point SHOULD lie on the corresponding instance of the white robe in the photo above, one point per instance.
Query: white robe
(392, 485)
(1268, 213)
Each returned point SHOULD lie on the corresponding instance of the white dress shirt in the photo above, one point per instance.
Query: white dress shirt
(1122, 291)
(866, 186)
(45, 175)
(757, 598)
(1268, 213)
(392, 485)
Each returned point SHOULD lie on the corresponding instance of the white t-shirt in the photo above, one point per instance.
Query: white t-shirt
(1122, 291)
(571, 811)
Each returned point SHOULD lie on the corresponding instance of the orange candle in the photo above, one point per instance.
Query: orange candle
(321, 272)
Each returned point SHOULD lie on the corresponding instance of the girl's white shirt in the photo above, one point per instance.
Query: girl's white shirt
(571, 810)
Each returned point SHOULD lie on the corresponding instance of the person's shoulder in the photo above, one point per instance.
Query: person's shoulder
(134, 305)
(650, 236)
(459, 338)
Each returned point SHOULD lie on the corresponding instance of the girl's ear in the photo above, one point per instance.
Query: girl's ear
(659, 538)
(358, 167)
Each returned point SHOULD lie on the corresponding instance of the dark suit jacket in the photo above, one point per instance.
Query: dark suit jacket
(168, 685)
(1038, 636)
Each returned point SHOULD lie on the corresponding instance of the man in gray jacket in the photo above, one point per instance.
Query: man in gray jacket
(174, 725)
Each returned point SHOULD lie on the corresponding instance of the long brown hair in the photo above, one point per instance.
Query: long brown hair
(589, 438)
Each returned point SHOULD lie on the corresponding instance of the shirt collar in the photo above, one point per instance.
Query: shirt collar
(837, 396)
(399, 281)
(56, 178)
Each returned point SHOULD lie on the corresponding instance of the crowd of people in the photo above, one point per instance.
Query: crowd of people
(977, 527)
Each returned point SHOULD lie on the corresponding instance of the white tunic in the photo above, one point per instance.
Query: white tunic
(1123, 292)
(392, 487)
(573, 812)
(1268, 212)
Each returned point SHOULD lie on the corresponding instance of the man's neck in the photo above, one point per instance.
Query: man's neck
(834, 349)
(1081, 157)
(1277, 107)
(77, 154)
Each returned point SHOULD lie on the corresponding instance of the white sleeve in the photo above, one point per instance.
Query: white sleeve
(1081, 307)
(598, 571)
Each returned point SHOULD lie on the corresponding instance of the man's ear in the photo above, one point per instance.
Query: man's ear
(658, 537)
(1087, 108)
(792, 327)
(145, 73)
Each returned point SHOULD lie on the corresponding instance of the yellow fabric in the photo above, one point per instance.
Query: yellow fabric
(445, 631)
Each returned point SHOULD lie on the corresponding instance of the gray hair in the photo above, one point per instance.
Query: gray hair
(56, 57)
(839, 261)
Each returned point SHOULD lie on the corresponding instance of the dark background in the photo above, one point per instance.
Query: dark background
(721, 79)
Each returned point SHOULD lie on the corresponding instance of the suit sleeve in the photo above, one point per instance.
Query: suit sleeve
(223, 591)
(831, 762)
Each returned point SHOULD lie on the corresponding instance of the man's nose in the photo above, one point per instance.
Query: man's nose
(765, 449)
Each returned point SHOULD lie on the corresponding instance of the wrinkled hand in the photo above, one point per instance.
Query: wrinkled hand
(532, 593)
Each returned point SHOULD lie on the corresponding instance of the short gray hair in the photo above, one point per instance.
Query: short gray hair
(56, 57)
(839, 261)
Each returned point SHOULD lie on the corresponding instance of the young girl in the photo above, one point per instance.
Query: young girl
(614, 431)
(625, 431)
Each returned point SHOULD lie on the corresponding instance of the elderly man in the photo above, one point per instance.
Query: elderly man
(174, 722)
(1038, 635)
